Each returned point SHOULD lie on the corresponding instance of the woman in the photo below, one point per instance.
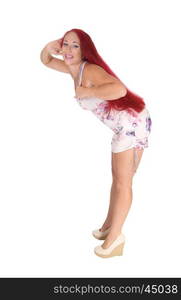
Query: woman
(99, 90)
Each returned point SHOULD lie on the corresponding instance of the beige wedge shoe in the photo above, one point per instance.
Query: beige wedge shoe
(115, 249)
(100, 235)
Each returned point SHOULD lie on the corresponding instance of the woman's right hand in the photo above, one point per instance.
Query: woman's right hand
(54, 47)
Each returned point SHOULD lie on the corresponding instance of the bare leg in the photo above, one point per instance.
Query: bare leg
(121, 191)
(107, 223)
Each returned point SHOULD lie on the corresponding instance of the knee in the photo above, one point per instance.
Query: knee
(121, 183)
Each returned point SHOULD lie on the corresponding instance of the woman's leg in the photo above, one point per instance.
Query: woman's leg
(137, 157)
(124, 168)
(107, 222)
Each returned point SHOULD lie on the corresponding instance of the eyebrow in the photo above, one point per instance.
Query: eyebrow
(73, 41)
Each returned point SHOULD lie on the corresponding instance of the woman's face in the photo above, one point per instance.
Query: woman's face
(71, 49)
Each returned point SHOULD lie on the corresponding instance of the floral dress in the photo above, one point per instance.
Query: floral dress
(130, 130)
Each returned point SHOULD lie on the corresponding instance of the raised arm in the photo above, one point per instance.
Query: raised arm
(48, 60)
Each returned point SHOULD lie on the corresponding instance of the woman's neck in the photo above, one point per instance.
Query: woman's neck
(75, 70)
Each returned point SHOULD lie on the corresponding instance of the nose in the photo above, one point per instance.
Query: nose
(69, 49)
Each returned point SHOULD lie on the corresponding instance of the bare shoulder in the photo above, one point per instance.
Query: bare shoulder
(96, 75)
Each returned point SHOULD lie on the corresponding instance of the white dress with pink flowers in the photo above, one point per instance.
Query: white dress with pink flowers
(130, 131)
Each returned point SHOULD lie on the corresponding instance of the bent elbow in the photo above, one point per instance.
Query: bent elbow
(124, 91)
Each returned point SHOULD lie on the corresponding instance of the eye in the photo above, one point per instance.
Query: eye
(74, 45)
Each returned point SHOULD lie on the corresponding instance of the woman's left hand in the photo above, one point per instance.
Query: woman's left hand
(82, 92)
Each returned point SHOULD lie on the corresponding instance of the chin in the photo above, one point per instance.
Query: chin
(68, 62)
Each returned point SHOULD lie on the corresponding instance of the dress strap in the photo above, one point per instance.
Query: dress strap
(81, 71)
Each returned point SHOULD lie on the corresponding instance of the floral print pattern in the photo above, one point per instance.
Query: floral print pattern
(130, 129)
(134, 131)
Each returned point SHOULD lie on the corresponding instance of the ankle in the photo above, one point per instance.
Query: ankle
(105, 227)
(115, 231)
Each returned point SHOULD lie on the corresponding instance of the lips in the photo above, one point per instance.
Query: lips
(68, 56)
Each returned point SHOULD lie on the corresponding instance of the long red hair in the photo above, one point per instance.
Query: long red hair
(89, 53)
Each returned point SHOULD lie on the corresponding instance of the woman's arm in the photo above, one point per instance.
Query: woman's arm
(107, 91)
(45, 56)
(52, 62)
(104, 85)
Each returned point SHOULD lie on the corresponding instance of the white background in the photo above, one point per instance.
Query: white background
(55, 158)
